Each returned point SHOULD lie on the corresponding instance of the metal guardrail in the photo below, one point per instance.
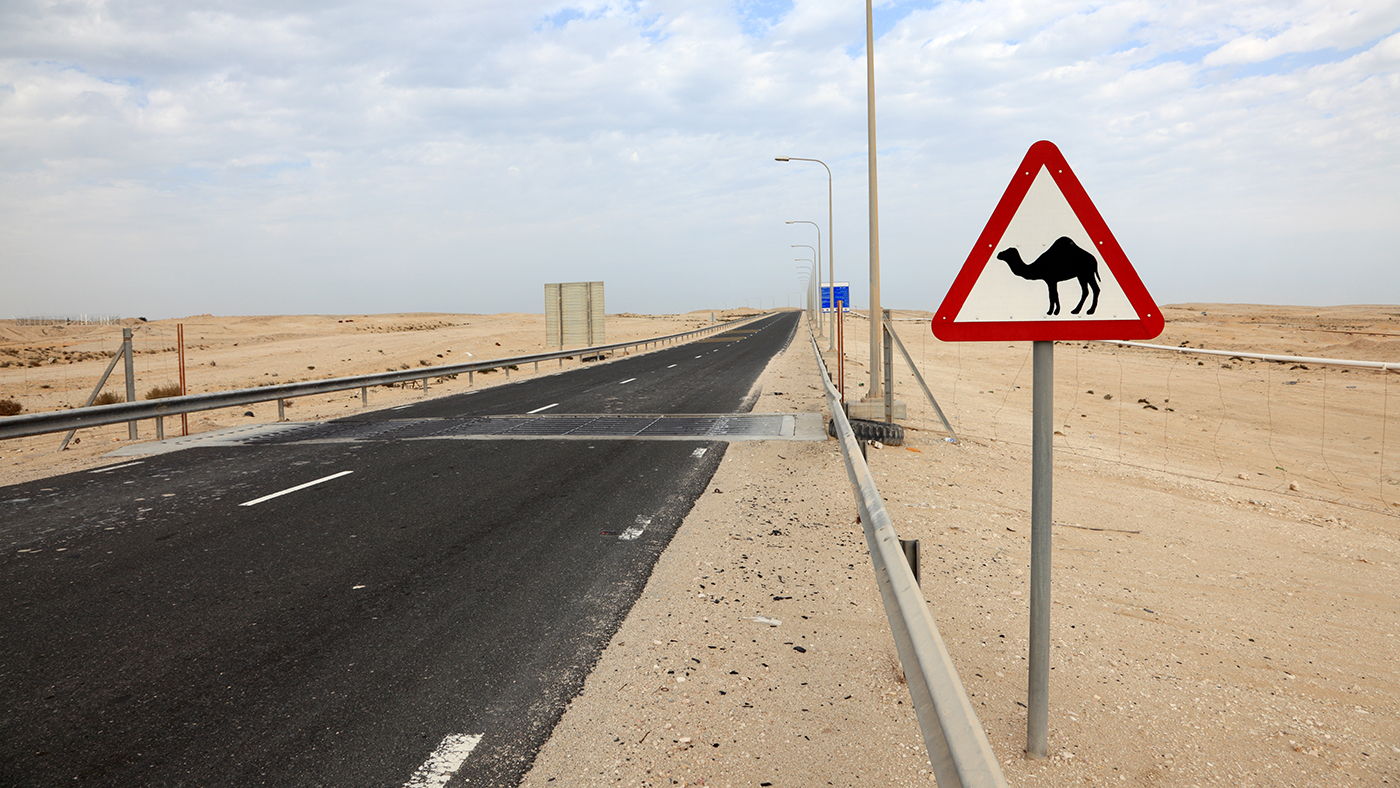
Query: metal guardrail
(101, 415)
(957, 746)
(1336, 362)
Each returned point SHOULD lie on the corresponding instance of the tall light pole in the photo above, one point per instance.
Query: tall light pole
(819, 267)
(830, 248)
(875, 314)
(816, 283)
(810, 269)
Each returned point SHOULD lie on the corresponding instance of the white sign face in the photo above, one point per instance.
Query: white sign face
(1044, 217)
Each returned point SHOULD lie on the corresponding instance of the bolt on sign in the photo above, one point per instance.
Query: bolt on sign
(1045, 247)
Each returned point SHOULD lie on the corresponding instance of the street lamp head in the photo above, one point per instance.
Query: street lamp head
(781, 158)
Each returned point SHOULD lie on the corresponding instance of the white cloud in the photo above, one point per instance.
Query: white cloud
(356, 157)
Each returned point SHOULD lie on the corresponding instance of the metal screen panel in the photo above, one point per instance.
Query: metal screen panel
(574, 314)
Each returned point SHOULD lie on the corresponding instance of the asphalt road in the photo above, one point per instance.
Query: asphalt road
(164, 623)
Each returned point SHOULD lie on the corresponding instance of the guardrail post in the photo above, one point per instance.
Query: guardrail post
(364, 396)
(130, 378)
(160, 428)
(910, 547)
(281, 410)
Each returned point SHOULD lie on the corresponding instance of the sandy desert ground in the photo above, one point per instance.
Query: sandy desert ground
(1225, 551)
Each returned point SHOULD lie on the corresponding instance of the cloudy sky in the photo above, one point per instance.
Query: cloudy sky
(166, 158)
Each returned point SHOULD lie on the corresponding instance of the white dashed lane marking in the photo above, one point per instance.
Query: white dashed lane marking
(671, 366)
(257, 501)
(629, 380)
(540, 410)
(115, 467)
(444, 762)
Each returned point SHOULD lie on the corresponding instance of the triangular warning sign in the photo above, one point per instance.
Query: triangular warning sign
(1046, 267)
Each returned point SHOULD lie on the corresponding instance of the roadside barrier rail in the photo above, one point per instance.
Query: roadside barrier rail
(957, 746)
(1337, 362)
(101, 415)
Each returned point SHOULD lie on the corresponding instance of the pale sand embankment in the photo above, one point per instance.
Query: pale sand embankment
(1212, 624)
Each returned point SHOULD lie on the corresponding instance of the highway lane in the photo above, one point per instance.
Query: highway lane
(155, 631)
(690, 378)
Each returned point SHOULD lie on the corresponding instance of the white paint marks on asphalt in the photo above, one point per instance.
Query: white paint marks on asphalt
(702, 354)
(401, 407)
(671, 366)
(257, 501)
(116, 467)
(444, 762)
(629, 380)
(699, 453)
(636, 530)
(541, 410)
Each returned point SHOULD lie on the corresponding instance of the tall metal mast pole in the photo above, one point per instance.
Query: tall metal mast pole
(874, 390)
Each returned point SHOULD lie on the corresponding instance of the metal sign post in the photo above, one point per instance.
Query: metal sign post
(1042, 484)
(998, 296)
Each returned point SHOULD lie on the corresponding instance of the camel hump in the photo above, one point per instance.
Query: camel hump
(1065, 247)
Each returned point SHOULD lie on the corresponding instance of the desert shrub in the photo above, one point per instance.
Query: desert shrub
(108, 398)
(9, 407)
(163, 391)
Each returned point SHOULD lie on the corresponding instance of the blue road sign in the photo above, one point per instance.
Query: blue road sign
(843, 294)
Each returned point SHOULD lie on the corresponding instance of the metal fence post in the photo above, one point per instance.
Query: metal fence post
(889, 366)
(130, 378)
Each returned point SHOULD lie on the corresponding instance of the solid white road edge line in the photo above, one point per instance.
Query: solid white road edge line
(257, 501)
(539, 410)
(636, 530)
(444, 762)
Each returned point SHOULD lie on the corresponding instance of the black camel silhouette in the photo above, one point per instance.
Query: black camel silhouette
(1063, 260)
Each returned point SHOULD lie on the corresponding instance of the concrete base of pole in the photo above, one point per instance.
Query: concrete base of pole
(874, 409)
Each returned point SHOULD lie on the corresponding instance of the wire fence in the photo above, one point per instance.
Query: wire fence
(1322, 431)
(79, 320)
